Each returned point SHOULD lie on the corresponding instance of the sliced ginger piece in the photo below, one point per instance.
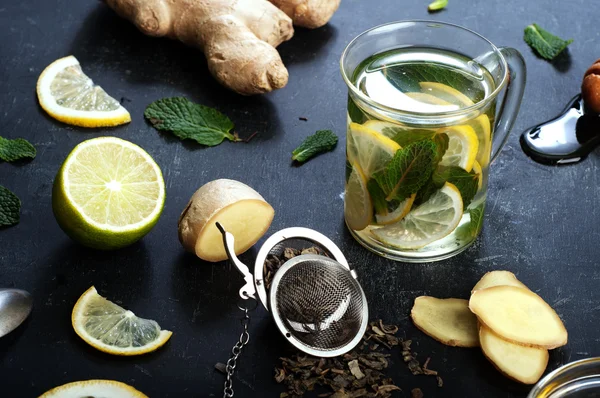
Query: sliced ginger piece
(449, 321)
(240, 209)
(519, 316)
(520, 363)
(498, 278)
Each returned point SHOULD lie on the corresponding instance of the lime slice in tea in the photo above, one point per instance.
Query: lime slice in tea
(462, 146)
(358, 209)
(369, 149)
(427, 223)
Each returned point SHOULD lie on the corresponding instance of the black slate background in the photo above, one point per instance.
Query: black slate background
(541, 222)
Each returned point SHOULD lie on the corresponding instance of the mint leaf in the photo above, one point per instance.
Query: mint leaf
(377, 197)
(356, 115)
(407, 136)
(543, 42)
(319, 142)
(19, 148)
(188, 120)
(470, 230)
(437, 5)
(466, 182)
(441, 140)
(10, 207)
(408, 171)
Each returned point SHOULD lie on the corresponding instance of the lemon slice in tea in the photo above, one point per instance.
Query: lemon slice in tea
(427, 223)
(477, 170)
(446, 93)
(397, 214)
(113, 329)
(369, 149)
(94, 388)
(108, 193)
(481, 126)
(358, 209)
(462, 146)
(68, 95)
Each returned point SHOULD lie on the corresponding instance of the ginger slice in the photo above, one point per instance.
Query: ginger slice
(523, 364)
(498, 278)
(240, 209)
(449, 321)
(519, 316)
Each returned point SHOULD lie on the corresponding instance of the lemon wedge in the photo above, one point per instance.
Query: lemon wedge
(358, 208)
(113, 329)
(370, 150)
(94, 388)
(462, 146)
(427, 223)
(68, 95)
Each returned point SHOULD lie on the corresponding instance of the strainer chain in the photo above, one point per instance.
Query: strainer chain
(235, 353)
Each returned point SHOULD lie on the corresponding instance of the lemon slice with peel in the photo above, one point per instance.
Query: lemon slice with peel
(358, 208)
(477, 170)
(108, 193)
(482, 127)
(427, 223)
(397, 214)
(113, 329)
(68, 95)
(462, 146)
(369, 149)
(446, 93)
(388, 129)
(94, 388)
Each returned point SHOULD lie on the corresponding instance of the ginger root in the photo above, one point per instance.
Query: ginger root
(238, 37)
(308, 13)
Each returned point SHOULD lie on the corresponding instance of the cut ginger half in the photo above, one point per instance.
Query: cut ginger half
(238, 208)
(449, 321)
(519, 316)
(520, 363)
(498, 278)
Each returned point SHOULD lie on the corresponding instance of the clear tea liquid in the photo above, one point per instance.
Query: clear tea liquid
(416, 185)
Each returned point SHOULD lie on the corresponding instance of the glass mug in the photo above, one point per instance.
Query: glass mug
(424, 123)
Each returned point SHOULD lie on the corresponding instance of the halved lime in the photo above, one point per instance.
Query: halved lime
(108, 193)
(429, 222)
(370, 150)
(462, 146)
(358, 209)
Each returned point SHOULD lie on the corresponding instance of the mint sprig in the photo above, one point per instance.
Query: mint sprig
(466, 182)
(10, 207)
(543, 42)
(313, 145)
(18, 148)
(408, 171)
(188, 120)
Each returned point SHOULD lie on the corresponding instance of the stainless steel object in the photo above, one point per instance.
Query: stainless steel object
(15, 307)
(315, 300)
(579, 379)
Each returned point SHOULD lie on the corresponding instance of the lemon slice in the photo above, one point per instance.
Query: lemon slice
(446, 93)
(386, 128)
(427, 223)
(369, 149)
(462, 146)
(358, 209)
(398, 214)
(108, 193)
(113, 329)
(481, 126)
(68, 95)
(94, 388)
(477, 170)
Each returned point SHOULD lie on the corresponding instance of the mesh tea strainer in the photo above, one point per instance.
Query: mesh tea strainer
(315, 299)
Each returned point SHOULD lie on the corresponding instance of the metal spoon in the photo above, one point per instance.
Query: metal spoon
(15, 307)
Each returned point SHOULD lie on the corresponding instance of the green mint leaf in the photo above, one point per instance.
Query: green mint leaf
(470, 230)
(377, 197)
(466, 182)
(437, 5)
(10, 207)
(441, 140)
(19, 148)
(543, 42)
(407, 136)
(354, 112)
(408, 171)
(188, 120)
(319, 142)
(408, 77)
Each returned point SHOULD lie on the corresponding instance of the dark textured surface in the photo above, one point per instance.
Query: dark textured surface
(541, 222)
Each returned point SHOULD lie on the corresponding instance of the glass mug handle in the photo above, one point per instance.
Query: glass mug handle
(512, 98)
